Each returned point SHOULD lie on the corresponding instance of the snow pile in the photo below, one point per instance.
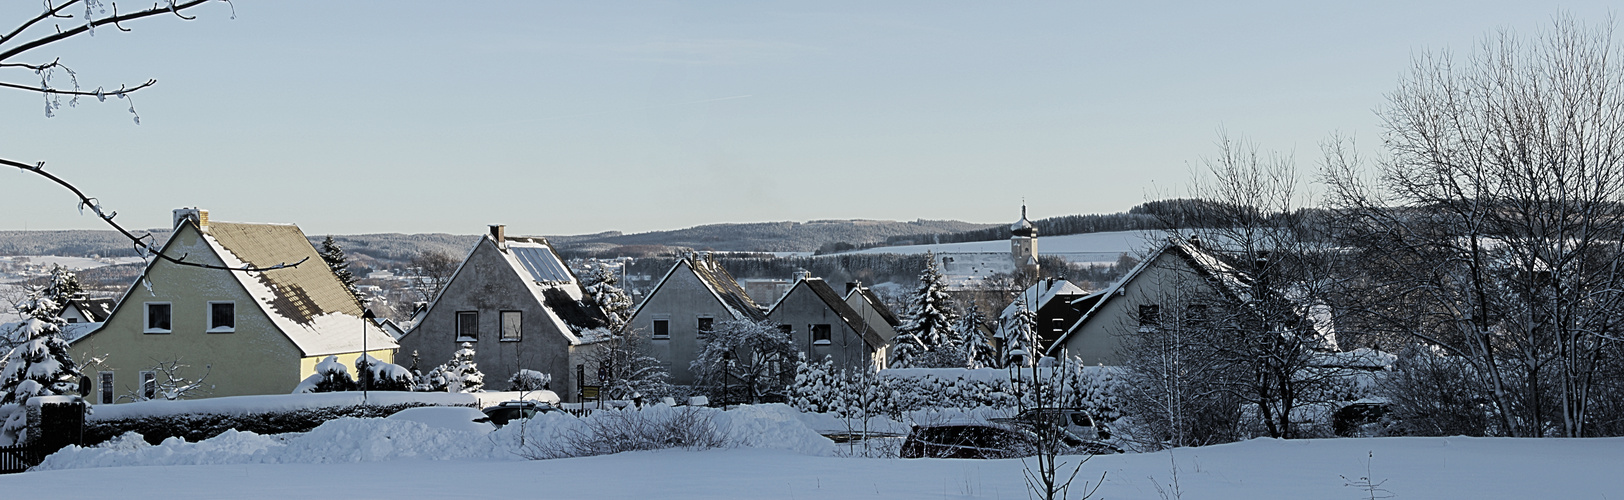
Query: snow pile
(338, 441)
(244, 405)
(381, 439)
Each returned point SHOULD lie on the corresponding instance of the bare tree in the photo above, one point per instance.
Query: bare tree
(170, 383)
(55, 23)
(430, 272)
(1494, 229)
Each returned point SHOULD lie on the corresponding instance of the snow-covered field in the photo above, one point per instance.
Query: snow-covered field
(382, 458)
(1096, 248)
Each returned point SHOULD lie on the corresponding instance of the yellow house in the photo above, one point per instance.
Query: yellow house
(247, 332)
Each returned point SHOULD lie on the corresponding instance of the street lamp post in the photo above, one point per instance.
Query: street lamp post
(366, 379)
(727, 370)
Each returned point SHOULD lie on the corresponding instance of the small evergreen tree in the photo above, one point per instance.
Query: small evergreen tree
(978, 349)
(461, 374)
(927, 337)
(40, 365)
(334, 256)
(603, 287)
(1020, 337)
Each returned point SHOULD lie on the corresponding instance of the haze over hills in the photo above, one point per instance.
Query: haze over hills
(785, 236)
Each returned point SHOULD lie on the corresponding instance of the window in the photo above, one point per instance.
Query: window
(157, 317)
(149, 385)
(510, 326)
(1149, 314)
(820, 334)
(106, 388)
(222, 317)
(662, 329)
(467, 326)
(1059, 325)
(706, 324)
(786, 330)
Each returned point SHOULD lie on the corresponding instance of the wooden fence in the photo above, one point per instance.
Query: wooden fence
(19, 458)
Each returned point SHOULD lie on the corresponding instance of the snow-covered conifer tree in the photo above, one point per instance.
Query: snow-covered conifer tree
(603, 287)
(461, 374)
(334, 256)
(40, 365)
(375, 375)
(927, 337)
(1020, 337)
(978, 349)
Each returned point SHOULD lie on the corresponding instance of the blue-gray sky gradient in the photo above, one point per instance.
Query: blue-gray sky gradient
(575, 117)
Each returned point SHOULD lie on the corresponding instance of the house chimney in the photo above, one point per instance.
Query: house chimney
(499, 235)
(194, 214)
(853, 285)
(802, 274)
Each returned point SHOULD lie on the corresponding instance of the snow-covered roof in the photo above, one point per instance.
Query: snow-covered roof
(1037, 296)
(306, 302)
(1231, 281)
(19, 331)
(551, 283)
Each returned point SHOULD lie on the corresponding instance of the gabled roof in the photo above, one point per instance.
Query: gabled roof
(874, 302)
(550, 282)
(307, 303)
(1230, 281)
(94, 310)
(721, 284)
(1037, 296)
(823, 292)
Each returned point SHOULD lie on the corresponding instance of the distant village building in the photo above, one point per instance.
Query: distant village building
(684, 306)
(520, 307)
(1053, 301)
(1023, 245)
(249, 332)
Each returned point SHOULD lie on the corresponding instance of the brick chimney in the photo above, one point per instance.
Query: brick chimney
(499, 234)
(194, 214)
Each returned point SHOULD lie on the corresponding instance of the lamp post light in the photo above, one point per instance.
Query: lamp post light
(727, 370)
(366, 379)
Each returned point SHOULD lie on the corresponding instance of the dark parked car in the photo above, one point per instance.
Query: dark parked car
(968, 441)
(513, 410)
(992, 440)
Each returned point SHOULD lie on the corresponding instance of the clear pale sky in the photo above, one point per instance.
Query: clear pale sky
(577, 117)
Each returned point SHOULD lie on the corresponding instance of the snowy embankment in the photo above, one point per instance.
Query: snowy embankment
(380, 439)
(1434, 468)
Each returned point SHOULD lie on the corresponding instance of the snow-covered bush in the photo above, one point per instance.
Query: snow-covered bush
(529, 380)
(764, 364)
(330, 376)
(461, 374)
(199, 426)
(374, 374)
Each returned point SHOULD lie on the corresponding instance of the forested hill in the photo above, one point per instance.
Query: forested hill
(1153, 215)
(746, 237)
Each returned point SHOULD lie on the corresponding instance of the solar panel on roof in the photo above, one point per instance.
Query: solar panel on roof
(541, 263)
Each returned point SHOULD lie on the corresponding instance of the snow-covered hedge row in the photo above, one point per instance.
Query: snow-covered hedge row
(823, 388)
(196, 420)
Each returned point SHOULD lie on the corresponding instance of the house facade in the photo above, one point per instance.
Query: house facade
(1052, 301)
(874, 313)
(687, 302)
(520, 307)
(244, 333)
(1178, 281)
(822, 325)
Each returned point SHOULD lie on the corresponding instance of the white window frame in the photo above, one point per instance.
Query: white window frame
(457, 327)
(105, 385)
(149, 385)
(146, 317)
(208, 318)
(518, 325)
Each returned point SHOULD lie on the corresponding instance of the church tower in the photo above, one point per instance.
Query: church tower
(1023, 245)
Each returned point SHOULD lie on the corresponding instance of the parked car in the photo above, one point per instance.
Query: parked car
(991, 440)
(460, 418)
(1077, 421)
(968, 441)
(509, 411)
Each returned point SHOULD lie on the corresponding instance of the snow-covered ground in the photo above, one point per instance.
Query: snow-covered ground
(382, 458)
(1089, 248)
(1432, 468)
(21, 267)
